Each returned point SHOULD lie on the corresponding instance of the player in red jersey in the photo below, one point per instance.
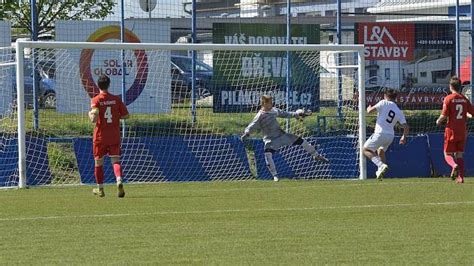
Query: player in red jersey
(455, 109)
(106, 112)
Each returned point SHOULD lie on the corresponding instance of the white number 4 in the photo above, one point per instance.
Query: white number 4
(108, 114)
(459, 110)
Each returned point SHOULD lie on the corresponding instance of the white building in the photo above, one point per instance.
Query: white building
(433, 11)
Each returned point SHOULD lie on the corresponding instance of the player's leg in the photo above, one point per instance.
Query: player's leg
(459, 155)
(99, 152)
(371, 147)
(450, 148)
(385, 140)
(381, 154)
(310, 149)
(270, 163)
(114, 154)
(450, 157)
(99, 177)
(460, 173)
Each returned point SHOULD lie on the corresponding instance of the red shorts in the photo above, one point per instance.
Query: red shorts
(451, 144)
(100, 150)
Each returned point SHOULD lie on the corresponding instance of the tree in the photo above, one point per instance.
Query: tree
(49, 11)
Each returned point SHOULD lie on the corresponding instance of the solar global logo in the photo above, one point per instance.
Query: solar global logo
(387, 41)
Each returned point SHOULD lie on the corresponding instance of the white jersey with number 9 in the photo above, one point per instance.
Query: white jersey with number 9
(388, 116)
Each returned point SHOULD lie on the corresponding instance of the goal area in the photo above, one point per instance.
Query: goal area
(185, 124)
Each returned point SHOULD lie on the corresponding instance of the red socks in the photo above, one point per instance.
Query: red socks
(450, 160)
(99, 174)
(117, 170)
(461, 167)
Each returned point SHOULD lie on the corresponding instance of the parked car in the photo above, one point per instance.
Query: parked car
(180, 81)
(46, 91)
(181, 78)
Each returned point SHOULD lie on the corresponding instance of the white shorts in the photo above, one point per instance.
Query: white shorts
(377, 141)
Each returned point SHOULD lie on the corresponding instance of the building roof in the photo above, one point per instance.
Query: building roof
(389, 6)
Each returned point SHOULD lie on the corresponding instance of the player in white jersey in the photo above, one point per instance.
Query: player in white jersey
(388, 116)
(273, 136)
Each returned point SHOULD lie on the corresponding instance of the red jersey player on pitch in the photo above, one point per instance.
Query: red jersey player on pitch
(106, 112)
(455, 109)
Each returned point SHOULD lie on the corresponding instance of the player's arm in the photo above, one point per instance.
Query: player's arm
(300, 113)
(441, 119)
(285, 114)
(406, 130)
(470, 110)
(251, 127)
(124, 114)
(403, 123)
(371, 109)
(93, 114)
(444, 113)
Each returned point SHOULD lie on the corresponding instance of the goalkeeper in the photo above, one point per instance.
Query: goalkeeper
(273, 136)
(106, 112)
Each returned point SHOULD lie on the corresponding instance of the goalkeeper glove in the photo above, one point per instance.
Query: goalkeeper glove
(302, 113)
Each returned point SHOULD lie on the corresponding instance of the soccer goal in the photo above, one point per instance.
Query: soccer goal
(184, 125)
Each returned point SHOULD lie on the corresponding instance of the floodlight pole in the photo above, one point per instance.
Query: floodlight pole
(34, 37)
(148, 3)
(472, 52)
(193, 63)
(458, 41)
(122, 40)
(339, 74)
(288, 61)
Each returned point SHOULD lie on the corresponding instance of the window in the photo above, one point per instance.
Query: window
(373, 76)
(373, 73)
(423, 74)
(387, 73)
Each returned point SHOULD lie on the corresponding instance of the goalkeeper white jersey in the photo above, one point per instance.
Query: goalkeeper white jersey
(267, 123)
(388, 116)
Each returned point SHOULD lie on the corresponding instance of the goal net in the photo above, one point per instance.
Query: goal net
(8, 128)
(177, 131)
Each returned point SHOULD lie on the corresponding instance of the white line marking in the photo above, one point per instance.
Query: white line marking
(317, 184)
(35, 218)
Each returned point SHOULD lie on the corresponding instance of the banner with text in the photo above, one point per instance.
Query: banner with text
(415, 59)
(147, 73)
(6, 72)
(240, 78)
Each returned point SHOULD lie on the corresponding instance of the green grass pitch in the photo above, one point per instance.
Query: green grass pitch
(397, 221)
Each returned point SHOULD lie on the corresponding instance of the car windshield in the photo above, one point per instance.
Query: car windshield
(184, 63)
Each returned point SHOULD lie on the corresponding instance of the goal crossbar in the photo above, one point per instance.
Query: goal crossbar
(188, 47)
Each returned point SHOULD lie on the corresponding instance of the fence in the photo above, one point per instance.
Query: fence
(411, 46)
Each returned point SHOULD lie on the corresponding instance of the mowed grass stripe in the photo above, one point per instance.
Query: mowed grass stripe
(114, 215)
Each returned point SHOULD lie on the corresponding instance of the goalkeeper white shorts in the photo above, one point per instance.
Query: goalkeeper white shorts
(377, 141)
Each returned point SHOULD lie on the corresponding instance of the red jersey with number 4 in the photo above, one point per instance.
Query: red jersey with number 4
(455, 107)
(111, 110)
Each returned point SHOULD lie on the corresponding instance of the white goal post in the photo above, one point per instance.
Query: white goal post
(357, 65)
